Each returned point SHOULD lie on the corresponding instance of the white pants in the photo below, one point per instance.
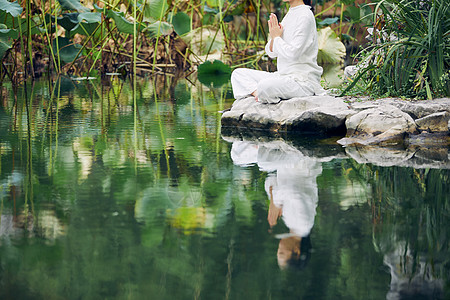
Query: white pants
(270, 87)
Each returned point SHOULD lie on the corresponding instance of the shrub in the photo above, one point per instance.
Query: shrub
(409, 54)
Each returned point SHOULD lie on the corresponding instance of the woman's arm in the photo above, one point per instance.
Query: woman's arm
(298, 45)
(268, 48)
(275, 30)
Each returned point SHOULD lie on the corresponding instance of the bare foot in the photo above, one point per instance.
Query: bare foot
(255, 94)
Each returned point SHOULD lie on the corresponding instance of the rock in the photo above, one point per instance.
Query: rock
(378, 120)
(350, 71)
(384, 124)
(415, 108)
(393, 136)
(437, 122)
(315, 114)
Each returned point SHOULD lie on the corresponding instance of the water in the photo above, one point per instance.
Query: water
(100, 200)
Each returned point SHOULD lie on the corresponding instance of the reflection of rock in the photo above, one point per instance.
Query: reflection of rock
(416, 157)
(385, 158)
(411, 278)
(316, 149)
(324, 114)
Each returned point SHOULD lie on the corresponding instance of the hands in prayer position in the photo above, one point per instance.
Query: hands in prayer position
(275, 29)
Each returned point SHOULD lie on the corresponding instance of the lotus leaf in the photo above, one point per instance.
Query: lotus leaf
(68, 51)
(331, 49)
(159, 28)
(85, 28)
(90, 17)
(68, 21)
(73, 5)
(327, 21)
(213, 73)
(154, 10)
(9, 33)
(5, 45)
(205, 40)
(122, 24)
(12, 8)
(181, 23)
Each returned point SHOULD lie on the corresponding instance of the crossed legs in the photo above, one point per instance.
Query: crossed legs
(267, 87)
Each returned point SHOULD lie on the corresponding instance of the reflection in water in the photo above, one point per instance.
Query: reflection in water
(292, 190)
(105, 201)
(411, 278)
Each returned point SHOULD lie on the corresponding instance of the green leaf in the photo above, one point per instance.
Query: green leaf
(154, 10)
(67, 49)
(213, 73)
(159, 28)
(215, 3)
(73, 5)
(9, 33)
(86, 29)
(5, 45)
(328, 21)
(181, 23)
(12, 8)
(205, 39)
(13, 23)
(90, 17)
(331, 49)
(122, 24)
(354, 13)
(68, 21)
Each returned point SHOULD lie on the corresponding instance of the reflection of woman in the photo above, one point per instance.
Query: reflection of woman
(293, 197)
(294, 43)
(292, 190)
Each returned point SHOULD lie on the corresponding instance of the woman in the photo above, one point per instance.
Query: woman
(294, 43)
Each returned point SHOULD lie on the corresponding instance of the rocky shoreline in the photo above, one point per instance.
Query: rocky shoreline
(381, 122)
(410, 133)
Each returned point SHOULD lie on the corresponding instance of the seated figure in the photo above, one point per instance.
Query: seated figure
(294, 43)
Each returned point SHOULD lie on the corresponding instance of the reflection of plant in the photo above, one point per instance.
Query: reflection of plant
(412, 207)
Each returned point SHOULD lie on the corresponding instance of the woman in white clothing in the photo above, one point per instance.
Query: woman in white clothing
(294, 43)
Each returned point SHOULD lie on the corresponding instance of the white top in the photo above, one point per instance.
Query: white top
(294, 187)
(296, 50)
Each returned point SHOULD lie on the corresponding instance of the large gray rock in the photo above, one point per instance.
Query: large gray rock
(437, 122)
(384, 124)
(415, 108)
(315, 114)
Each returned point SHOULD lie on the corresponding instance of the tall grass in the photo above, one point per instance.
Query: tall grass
(410, 52)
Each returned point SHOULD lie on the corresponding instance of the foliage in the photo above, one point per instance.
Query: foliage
(331, 49)
(103, 33)
(410, 51)
(214, 73)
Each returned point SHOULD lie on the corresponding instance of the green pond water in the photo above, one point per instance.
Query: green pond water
(106, 193)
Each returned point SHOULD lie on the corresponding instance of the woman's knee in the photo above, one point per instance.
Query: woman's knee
(267, 87)
(237, 74)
